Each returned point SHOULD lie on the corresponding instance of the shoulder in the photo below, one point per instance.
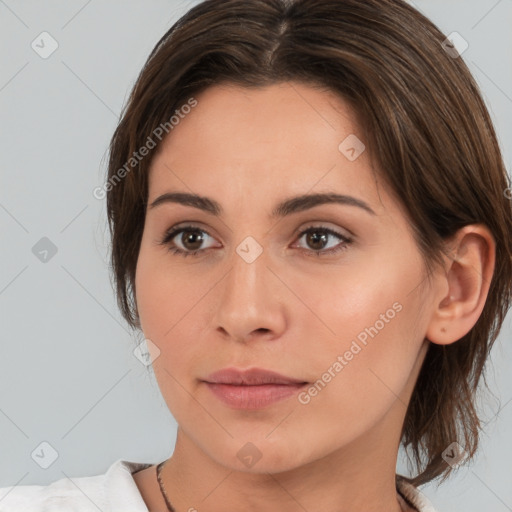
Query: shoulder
(412, 495)
(113, 491)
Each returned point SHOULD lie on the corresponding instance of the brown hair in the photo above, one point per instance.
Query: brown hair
(425, 123)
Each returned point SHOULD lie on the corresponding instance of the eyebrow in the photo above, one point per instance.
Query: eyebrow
(287, 207)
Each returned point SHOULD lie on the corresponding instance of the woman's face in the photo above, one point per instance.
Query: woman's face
(347, 317)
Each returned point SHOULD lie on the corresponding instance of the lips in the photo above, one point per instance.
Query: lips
(251, 389)
(250, 377)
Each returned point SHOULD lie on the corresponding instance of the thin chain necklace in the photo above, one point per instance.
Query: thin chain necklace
(170, 508)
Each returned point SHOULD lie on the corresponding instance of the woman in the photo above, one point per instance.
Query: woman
(308, 211)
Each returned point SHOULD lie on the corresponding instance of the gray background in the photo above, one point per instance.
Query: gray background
(68, 373)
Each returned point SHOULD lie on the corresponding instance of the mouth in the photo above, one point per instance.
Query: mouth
(255, 388)
(253, 396)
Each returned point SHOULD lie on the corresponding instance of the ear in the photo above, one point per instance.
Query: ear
(462, 289)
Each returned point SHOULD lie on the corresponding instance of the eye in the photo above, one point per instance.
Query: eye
(319, 235)
(193, 237)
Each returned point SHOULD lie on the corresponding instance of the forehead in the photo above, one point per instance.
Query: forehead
(268, 115)
(289, 132)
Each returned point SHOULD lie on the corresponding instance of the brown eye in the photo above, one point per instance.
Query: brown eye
(189, 243)
(191, 239)
(317, 238)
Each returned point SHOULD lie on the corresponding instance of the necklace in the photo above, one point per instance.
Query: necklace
(170, 508)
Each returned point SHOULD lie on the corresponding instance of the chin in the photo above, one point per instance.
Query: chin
(261, 456)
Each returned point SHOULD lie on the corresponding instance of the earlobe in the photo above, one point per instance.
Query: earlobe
(467, 276)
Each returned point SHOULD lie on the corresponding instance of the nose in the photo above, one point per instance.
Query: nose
(250, 299)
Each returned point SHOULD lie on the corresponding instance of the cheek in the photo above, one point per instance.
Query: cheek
(167, 301)
(165, 294)
(171, 304)
(371, 331)
(359, 378)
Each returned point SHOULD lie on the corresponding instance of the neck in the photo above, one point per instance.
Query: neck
(360, 476)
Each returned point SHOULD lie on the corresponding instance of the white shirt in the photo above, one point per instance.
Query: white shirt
(116, 491)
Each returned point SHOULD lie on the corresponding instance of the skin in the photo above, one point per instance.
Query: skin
(289, 310)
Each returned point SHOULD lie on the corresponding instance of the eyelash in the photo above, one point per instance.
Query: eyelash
(171, 233)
